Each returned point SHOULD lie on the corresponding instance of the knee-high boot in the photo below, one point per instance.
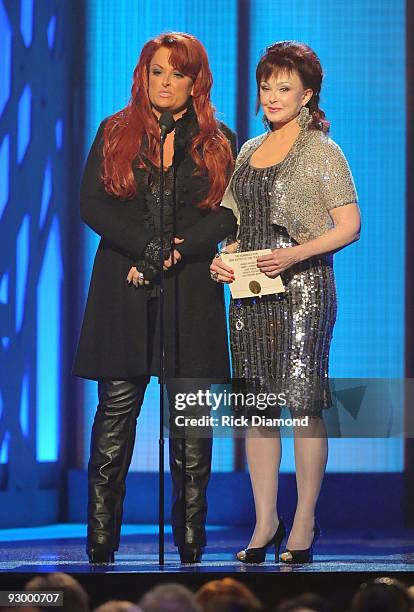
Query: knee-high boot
(112, 445)
(190, 451)
(190, 465)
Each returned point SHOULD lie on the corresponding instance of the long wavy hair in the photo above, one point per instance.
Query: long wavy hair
(292, 56)
(131, 136)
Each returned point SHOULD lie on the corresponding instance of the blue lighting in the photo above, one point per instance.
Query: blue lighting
(46, 192)
(4, 289)
(5, 57)
(51, 31)
(26, 20)
(24, 406)
(76, 530)
(4, 298)
(4, 451)
(48, 349)
(4, 172)
(24, 122)
(59, 133)
(22, 265)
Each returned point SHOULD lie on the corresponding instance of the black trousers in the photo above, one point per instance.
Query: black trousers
(112, 445)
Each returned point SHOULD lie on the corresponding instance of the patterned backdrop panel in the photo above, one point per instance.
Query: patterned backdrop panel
(34, 201)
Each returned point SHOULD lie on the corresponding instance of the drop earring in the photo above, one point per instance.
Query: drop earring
(304, 117)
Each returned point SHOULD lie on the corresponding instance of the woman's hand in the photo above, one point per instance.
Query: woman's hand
(278, 261)
(220, 271)
(169, 263)
(136, 278)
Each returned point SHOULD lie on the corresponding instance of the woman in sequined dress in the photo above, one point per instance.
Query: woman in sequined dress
(292, 192)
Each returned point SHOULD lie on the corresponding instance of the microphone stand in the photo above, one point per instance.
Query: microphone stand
(166, 123)
(161, 518)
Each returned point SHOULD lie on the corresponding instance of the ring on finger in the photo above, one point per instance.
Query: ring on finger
(214, 276)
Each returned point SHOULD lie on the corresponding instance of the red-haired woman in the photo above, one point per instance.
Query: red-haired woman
(293, 193)
(119, 340)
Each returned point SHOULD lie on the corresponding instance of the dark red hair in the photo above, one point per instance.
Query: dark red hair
(132, 134)
(292, 56)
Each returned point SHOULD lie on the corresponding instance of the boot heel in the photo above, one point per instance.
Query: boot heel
(101, 554)
(190, 553)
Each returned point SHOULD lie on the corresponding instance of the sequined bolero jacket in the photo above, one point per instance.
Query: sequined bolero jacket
(312, 179)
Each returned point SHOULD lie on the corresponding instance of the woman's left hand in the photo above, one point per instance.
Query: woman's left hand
(136, 278)
(278, 261)
(176, 258)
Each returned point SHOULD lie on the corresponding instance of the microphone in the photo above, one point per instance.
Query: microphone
(166, 123)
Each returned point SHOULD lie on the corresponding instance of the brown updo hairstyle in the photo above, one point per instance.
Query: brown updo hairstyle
(291, 56)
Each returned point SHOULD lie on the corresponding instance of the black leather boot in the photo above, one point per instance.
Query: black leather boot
(190, 465)
(112, 444)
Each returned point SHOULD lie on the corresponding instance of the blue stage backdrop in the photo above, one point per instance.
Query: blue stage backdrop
(35, 199)
(361, 46)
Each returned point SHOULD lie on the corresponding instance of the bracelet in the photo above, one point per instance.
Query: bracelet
(223, 251)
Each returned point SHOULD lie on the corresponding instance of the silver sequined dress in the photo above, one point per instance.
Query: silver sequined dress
(282, 339)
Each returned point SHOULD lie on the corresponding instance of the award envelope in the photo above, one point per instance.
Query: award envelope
(249, 281)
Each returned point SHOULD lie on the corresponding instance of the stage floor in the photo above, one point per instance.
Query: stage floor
(61, 548)
(343, 560)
